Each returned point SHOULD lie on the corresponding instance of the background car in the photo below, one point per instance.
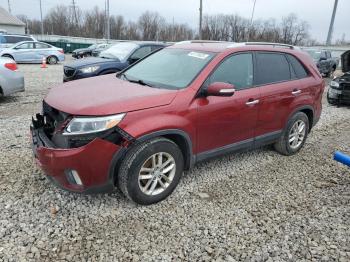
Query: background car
(324, 61)
(339, 87)
(112, 60)
(84, 52)
(33, 52)
(11, 81)
(6, 40)
(97, 51)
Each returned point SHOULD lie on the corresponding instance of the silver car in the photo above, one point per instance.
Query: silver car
(33, 52)
(11, 81)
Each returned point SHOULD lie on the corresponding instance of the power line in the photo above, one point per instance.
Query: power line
(251, 21)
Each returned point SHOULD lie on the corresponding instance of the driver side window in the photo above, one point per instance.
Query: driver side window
(236, 70)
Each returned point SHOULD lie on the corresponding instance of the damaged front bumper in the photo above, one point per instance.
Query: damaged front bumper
(85, 169)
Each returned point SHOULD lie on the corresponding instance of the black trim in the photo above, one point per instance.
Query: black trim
(298, 109)
(247, 144)
(225, 149)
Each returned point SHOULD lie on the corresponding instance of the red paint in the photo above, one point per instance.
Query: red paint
(210, 122)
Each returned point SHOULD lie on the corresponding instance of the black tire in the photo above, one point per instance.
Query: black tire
(283, 146)
(128, 176)
(52, 60)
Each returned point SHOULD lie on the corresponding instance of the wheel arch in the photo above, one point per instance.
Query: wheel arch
(8, 55)
(308, 111)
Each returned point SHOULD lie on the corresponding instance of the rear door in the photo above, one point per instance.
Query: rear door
(42, 50)
(278, 88)
(226, 122)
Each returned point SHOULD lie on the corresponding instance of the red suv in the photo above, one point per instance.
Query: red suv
(138, 130)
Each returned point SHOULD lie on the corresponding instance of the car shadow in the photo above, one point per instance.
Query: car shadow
(8, 99)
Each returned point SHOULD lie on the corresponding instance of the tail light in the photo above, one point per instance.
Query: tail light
(61, 51)
(12, 66)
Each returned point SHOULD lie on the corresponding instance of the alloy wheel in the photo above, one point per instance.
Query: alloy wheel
(157, 173)
(297, 134)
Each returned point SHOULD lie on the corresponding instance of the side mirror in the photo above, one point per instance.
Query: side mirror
(220, 89)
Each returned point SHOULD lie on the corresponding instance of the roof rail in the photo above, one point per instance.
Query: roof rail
(199, 42)
(271, 44)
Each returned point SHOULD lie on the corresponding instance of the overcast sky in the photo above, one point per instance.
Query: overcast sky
(316, 12)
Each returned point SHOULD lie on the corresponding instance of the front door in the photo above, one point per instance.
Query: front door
(225, 122)
(24, 52)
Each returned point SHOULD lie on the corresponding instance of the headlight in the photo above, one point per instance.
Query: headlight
(87, 125)
(334, 84)
(89, 69)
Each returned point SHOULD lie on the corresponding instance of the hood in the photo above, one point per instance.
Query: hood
(106, 95)
(89, 61)
(345, 61)
(81, 49)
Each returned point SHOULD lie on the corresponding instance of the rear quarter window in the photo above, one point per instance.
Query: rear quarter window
(298, 68)
(271, 68)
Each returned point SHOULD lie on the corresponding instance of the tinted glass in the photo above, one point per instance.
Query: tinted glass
(41, 46)
(236, 70)
(25, 46)
(170, 68)
(271, 68)
(15, 39)
(142, 52)
(297, 67)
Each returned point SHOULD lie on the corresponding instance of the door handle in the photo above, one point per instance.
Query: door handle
(252, 102)
(295, 92)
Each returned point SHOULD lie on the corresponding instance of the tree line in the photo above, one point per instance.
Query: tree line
(65, 20)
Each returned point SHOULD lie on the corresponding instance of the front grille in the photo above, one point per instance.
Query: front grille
(68, 71)
(346, 86)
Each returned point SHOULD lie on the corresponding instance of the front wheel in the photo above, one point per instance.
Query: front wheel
(294, 135)
(150, 171)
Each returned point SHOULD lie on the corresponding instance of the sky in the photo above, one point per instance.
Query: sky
(316, 12)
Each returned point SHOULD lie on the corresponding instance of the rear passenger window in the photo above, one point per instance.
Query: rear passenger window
(298, 67)
(236, 70)
(271, 68)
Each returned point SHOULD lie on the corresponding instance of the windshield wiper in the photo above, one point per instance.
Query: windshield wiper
(138, 81)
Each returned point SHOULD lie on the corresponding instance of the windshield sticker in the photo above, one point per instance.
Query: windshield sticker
(198, 55)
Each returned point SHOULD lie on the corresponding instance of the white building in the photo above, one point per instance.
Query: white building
(10, 24)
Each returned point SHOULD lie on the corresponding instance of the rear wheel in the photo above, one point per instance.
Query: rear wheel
(294, 136)
(150, 171)
(52, 60)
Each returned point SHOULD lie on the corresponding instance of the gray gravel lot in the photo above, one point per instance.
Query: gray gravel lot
(251, 206)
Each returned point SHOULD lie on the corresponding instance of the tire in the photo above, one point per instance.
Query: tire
(141, 156)
(283, 145)
(52, 60)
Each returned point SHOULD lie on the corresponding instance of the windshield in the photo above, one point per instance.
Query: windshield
(314, 54)
(118, 51)
(169, 68)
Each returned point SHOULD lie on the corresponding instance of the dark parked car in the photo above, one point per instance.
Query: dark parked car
(324, 61)
(339, 88)
(112, 60)
(97, 51)
(181, 105)
(84, 52)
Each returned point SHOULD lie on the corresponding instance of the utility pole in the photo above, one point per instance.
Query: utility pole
(108, 23)
(75, 12)
(251, 21)
(200, 18)
(330, 30)
(9, 5)
(41, 17)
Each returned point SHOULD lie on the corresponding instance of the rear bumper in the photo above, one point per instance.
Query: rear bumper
(92, 163)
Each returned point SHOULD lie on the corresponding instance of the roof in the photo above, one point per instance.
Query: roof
(7, 19)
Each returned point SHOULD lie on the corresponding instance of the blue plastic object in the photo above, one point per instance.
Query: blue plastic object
(342, 158)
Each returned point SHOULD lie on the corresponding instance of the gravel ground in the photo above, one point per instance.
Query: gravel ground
(252, 206)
